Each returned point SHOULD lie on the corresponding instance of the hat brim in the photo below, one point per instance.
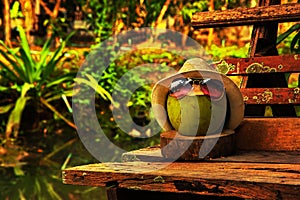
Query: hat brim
(161, 90)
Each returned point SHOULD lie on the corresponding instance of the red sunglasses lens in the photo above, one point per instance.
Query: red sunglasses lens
(212, 88)
(180, 87)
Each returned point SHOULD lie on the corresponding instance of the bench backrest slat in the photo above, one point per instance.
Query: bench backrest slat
(265, 64)
(244, 67)
(271, 95)
(247, 16)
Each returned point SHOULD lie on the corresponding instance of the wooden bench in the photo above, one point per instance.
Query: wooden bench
(267, 162)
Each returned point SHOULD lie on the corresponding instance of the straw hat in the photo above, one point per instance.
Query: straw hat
(197, 68)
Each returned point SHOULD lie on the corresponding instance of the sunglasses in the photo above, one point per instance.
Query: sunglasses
(213, 88)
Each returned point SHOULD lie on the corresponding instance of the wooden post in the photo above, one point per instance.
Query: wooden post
(263, 43)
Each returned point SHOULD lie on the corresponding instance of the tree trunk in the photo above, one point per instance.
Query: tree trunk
(7, 25)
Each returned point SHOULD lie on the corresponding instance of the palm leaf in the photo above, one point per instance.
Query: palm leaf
(14, 119)
(284, 35)
(92, 82)
(44, 55)
(50, 66)
(25, 46)
(6, 108)
(17, 64)
(29, 68)
(63, 78)
(294, 42)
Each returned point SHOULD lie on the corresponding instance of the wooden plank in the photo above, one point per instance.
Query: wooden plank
(291, 157)
(247, 16)
(271, 95)
(263, 38)
(269, 134)
(264, 64)
(243, 180)
(152, 154)
(149, 154)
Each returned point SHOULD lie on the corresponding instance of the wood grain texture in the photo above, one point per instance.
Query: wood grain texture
(175, 146)
(247, 16)
(153, 154)
(244, 180)
(271, 134)
(263, 64)
(271, 95)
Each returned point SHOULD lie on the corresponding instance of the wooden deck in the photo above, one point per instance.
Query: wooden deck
(246, 175)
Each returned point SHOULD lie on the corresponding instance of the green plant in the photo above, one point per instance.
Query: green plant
(294, 44)
(32, 79)
(190, 8)
(228, 51)
(15, 12)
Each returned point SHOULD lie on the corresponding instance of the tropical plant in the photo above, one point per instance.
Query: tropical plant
(294, 44)
(32, 78)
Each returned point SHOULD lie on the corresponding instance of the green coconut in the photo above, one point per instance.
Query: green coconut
(190, 115)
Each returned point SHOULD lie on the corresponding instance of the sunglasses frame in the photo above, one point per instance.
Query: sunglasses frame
(196, 81)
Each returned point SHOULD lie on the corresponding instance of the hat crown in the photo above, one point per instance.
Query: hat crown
(195, 64)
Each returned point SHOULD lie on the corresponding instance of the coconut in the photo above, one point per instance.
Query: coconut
(190, 115)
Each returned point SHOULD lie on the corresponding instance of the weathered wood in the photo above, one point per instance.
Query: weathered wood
(271, 134)
(247, 16)
(263, 37)
(243, 180)
(271, 95)
(264, 64)
(153, 154)
(176, 146)
(149, 154)
(111, 194)
(288, 157)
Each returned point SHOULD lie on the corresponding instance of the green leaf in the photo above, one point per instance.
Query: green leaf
(14, 119)
(44, 55)
(2, 88)
(18, 171)
(294, 43)
(17, 65)
(94, 84)
(25, 45)
(50, 66)
(21, 195)
(29, 67)
(61, 79)
(6, 108)
(284, 35)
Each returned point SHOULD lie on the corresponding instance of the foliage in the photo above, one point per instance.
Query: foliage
(101, 16)
(14, 12)
(32, 78)
(228, 51)
(294, 39)
(126, 67)
(32, 160)
(29, 82)
(191, 7)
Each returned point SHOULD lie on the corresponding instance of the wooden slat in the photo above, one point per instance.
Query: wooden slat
(247, 16)
(271, 95)
(264, 64)
(153, 154)
(244, 180)
(269, 134)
